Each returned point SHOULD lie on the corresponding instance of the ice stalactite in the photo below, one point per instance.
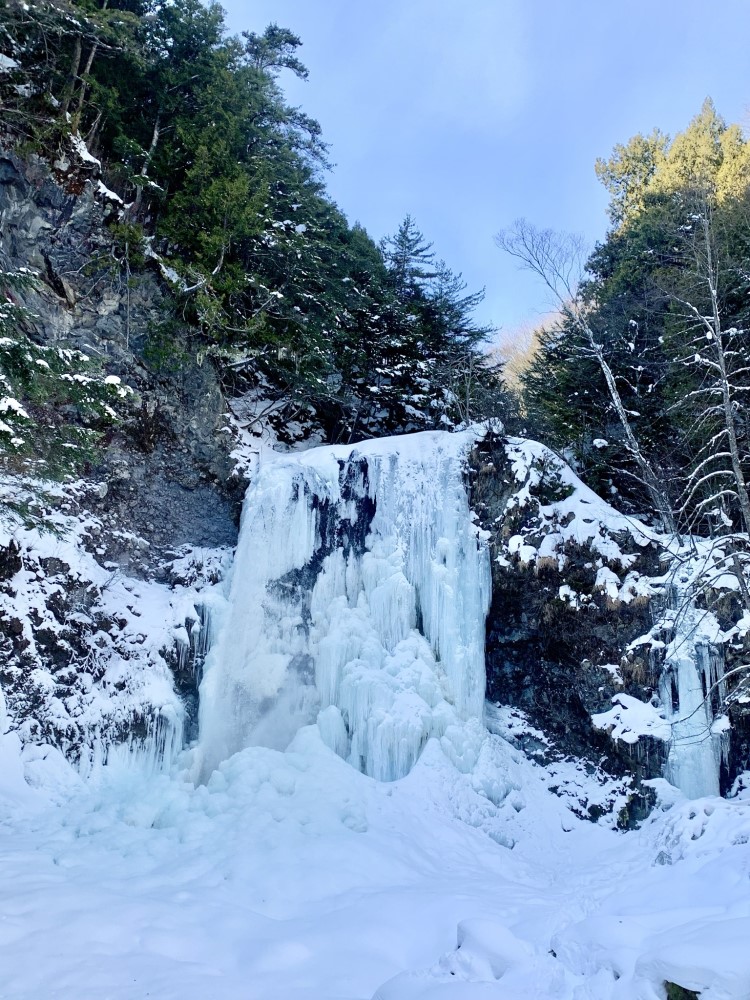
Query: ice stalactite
(164, 741)
(157, 737)
(693, 668)
(358, 599)
(154, 745)
(193, 640)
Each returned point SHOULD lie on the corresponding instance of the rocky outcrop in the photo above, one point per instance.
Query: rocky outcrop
(164, 477)
(571, 592)
(91, 656)
(621, 645)
(101, 604)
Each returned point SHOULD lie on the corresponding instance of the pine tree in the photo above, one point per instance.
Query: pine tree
(665, 295)
(410, 260)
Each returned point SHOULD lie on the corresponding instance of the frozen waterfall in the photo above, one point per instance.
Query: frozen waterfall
(693, 668)
(358, 600)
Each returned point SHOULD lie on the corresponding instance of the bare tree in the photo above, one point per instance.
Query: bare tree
(717, 352)
(558, 260)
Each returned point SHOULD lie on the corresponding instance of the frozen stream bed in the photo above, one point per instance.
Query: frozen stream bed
(291, 875)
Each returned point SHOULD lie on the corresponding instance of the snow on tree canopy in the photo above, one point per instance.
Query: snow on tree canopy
(358, 598)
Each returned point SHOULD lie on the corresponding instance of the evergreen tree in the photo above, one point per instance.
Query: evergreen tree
(627, 173)
(410, 260)
(674, 261)
(225, 179)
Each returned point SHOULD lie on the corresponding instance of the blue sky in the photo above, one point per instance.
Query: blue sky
(470, 113)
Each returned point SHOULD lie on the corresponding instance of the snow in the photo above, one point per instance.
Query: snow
(10, 405)
(132, 623)
(629, 719)
(686, 636)
(577, 515)
(104, 192)
(291, 871)
(292, 875)
(81, 149)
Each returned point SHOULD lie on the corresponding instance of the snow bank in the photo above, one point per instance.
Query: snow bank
(292, 875)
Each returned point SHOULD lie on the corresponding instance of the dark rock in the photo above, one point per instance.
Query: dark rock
(162, 478)
(14, 627)
(10, 559)
(166, 473)
(737, 760)
(545, 655)
(675, 992)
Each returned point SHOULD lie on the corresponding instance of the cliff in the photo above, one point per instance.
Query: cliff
(109, 580)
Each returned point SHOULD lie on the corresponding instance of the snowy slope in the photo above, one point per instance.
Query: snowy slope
(290, 874)
(93, 650)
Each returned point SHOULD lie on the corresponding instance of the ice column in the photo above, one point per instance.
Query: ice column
(691, 669)
(248, 673)
(358, 598)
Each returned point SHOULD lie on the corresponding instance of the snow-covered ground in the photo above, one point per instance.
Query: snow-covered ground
(292, 876)
(91, 656)
(293, 873)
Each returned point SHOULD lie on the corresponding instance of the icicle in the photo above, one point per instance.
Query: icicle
(163, 742)
(358, 597)
(693, 666)
(152, 752)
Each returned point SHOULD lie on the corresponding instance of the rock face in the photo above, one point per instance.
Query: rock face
(570, 592)
(165, 476)
(91, 656)
(147, 528)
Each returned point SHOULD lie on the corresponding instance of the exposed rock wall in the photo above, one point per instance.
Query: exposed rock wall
(570, 594)
(165, 475)
(95, 626)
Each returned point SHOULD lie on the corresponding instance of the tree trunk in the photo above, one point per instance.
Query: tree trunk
(726, 396)
(84, 87)
(84, 81)
(147, 162)
(650, 479)
(558, 262)
(70, 84)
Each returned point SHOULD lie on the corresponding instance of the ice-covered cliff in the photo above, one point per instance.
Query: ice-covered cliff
(358, 598)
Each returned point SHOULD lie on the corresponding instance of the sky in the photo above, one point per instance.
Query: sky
(468, 114)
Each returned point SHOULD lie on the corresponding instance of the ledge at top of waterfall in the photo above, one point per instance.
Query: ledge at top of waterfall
(358, 600)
